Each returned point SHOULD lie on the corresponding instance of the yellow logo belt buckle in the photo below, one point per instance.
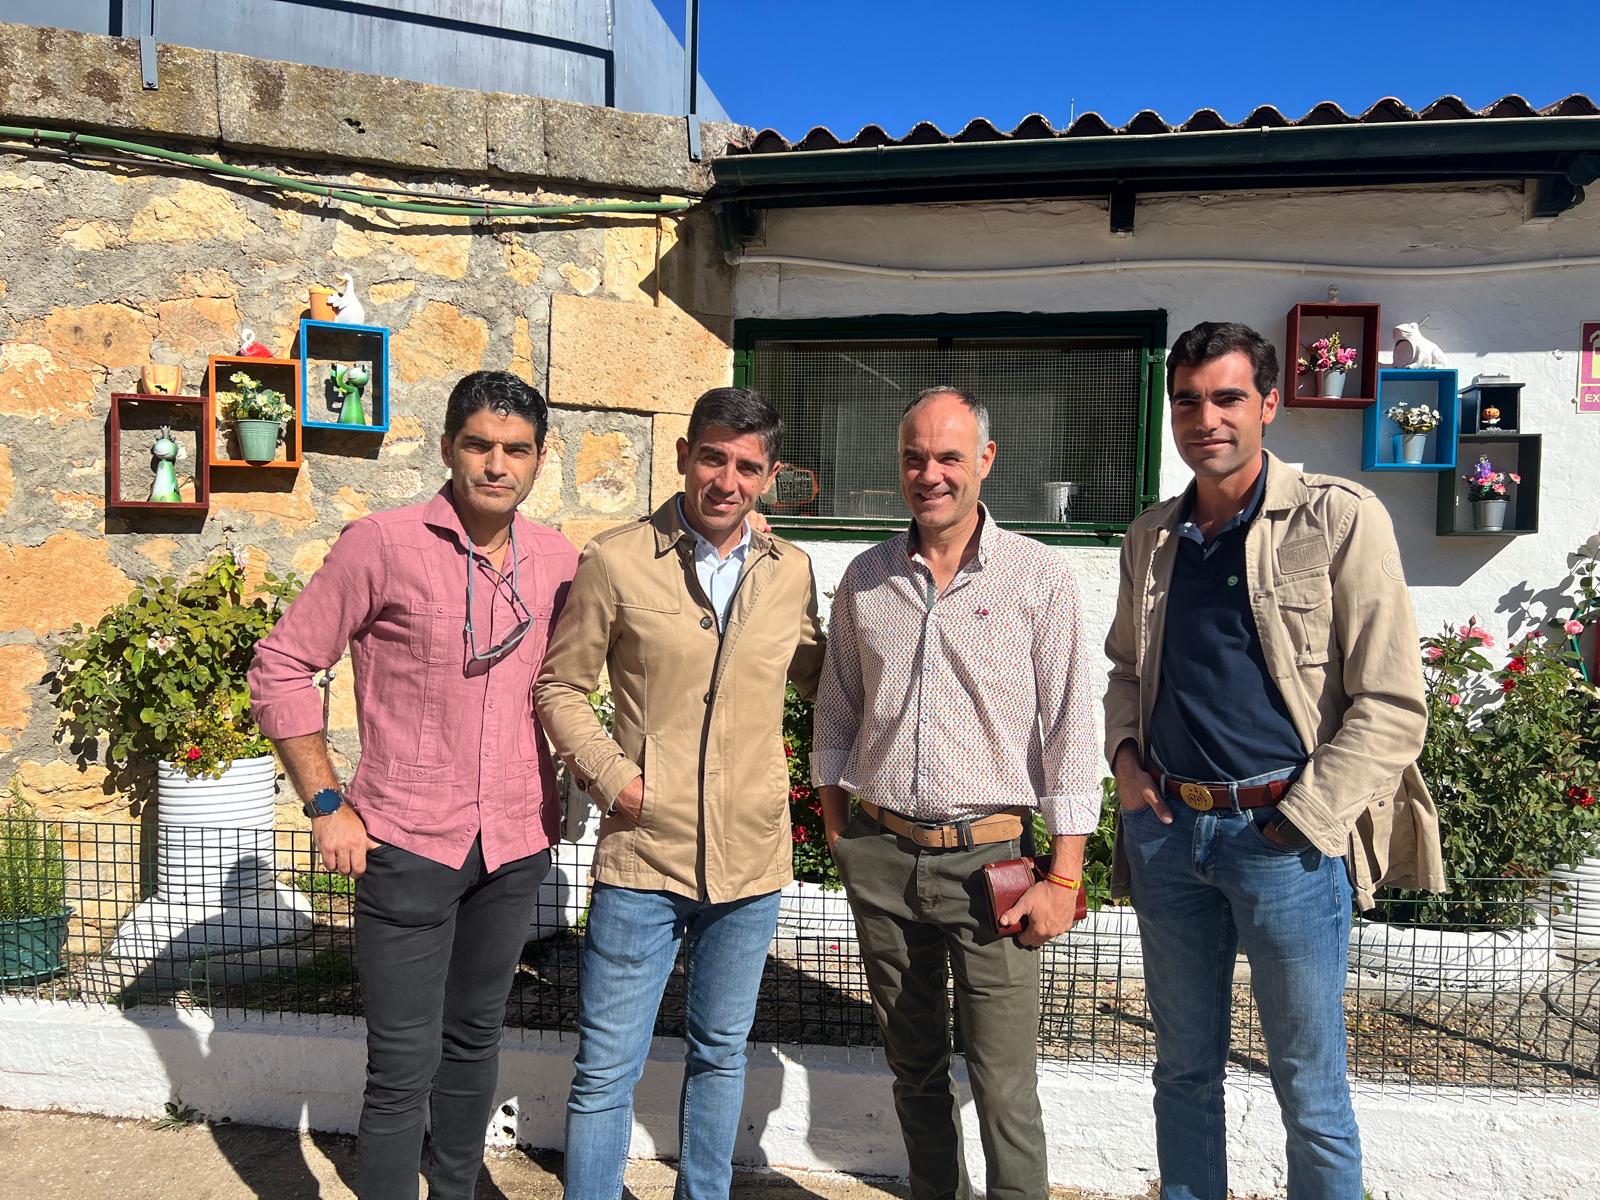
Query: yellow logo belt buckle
(1197, 796)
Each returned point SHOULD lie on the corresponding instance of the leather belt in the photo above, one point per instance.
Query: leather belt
(1003, 826)
(1203, 797)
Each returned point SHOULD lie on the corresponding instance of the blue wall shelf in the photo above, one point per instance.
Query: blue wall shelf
(1398, 385)
(321, 344)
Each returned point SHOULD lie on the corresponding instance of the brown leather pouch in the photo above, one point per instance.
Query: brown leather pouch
(1004, 882)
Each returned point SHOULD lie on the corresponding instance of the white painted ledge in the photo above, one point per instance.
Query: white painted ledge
(812, 1107)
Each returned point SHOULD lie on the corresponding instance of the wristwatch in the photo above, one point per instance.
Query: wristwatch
(324, 803)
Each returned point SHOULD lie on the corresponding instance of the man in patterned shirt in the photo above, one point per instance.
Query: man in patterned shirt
(954, 703)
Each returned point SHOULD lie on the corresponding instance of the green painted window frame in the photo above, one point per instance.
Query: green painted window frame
(1149, 325)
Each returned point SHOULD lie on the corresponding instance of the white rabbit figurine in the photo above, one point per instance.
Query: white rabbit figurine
(346, 306)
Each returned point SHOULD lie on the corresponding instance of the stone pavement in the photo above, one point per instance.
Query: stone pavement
(56, 1156)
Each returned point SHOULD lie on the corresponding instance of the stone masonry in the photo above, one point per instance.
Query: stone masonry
(105, 267)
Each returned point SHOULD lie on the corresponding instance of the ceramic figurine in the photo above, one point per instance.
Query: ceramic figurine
(1491, 417)
(349, 383)
(1424, 353)
(346, 304)
(165, 453)
(249, 347)
(156, 379)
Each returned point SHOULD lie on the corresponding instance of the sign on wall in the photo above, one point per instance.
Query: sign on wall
(1589, 367)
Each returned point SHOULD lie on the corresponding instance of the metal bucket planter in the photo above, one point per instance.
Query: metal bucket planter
(258, 440)
(1489, 514)
(215, 869)
(33, 949)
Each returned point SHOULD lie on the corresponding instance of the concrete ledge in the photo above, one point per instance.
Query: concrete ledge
(813, 1107)
(86, 81)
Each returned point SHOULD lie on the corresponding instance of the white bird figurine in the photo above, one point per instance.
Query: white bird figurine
(346, 306)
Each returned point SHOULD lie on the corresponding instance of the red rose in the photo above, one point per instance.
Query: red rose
(194, 753)
(800, 833)
(1507, 684)
(1517, 665)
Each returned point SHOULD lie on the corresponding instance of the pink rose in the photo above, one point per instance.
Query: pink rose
(1455, 699)
(1433, 654)
(1573, 628)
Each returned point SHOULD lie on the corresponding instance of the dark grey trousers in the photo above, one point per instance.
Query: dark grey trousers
(922, 920)
(436, 949)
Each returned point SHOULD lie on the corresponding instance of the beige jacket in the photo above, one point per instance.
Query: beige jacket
(1339, 636)
(699, 715)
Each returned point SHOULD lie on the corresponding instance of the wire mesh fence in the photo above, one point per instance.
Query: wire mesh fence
(234, 922)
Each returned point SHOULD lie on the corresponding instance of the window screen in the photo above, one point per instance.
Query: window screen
(1065, 412)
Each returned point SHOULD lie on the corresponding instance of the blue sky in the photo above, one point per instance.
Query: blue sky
(792, 64)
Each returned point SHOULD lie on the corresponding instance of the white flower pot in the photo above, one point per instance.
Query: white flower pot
(1499, 960)
(808, 910)
(216, 886)
(1575, 903)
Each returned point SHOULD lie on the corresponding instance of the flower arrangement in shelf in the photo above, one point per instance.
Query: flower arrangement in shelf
(1328, 354)
(252, 400)
(1418, 418)
(1485, 483)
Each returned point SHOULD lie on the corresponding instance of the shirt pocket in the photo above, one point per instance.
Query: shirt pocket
(1306, 603)
(436, 633)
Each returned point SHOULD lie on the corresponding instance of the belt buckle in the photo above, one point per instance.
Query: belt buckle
(1197, 796)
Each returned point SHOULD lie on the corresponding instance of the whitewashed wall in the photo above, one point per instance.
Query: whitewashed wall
(1523, 324)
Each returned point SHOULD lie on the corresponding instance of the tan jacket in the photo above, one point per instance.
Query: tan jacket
(698, 715)
(1339, 637)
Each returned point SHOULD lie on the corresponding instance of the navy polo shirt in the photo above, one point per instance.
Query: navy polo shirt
(1218, 716)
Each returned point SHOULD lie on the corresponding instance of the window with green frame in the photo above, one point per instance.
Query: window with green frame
(1074, 405)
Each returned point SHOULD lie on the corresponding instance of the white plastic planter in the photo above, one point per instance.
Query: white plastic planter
(1488, 961)
(809, 910)
(216, 889)
(1575, 904)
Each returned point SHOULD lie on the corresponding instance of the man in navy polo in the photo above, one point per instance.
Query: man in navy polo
(1263, 718)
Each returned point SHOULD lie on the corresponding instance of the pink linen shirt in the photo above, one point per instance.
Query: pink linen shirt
(451, 748)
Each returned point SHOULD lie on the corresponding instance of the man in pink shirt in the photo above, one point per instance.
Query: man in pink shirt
(448, 821)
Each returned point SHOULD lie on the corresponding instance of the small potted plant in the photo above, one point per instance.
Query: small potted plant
(1486, 488)
(33, 895)
(258, 414)
(1416, 422)
(1330, 361)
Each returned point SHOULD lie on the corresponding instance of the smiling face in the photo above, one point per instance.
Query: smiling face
(493, 460)
(942, 464)
(724, 473)
(1218, 415)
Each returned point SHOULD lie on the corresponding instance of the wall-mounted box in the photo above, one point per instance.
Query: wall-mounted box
(322, 345)
(280, 374)
(135, 424)
(1515, 453)
(1501, 397)
(1435, 389)
(1357, 327)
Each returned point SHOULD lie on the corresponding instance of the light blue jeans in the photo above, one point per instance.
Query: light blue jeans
(1202, 887)
(628, 952)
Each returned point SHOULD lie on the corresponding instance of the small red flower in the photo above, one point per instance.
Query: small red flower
(1507, 685)
(788, 750)
(194, 753)
(800, 834)
(1517, 665)
(1582, 797)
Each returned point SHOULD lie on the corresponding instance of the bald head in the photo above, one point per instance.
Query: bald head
(980, 414)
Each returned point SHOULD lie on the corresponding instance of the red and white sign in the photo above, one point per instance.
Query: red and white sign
(1589, 367)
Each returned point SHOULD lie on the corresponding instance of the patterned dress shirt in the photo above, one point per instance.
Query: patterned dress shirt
(949, 706)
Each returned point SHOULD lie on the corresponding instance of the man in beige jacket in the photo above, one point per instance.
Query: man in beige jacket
(1263, 718)
(699, 621)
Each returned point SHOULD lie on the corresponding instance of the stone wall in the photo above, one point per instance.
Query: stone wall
(104, 267)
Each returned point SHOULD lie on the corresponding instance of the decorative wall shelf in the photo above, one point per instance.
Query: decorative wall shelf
(1520, 453)
(135, 423)
(280, 374)
(1356, 325)
(1481, 394)
(322, 344)
(1399, 385)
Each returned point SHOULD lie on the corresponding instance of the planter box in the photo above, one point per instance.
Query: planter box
(135, 422)
(281, 374)
(33, 949)
(1357, 326)
(321, 344)
(1399, 385)
(1490, 961)
(1521, 453)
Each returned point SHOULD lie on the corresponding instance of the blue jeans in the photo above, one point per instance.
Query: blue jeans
(628, 952)
(1203, 886)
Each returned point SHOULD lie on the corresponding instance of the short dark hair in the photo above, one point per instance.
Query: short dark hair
(1213, 339)
(979, 411)
(500, 392)
(743, 410)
